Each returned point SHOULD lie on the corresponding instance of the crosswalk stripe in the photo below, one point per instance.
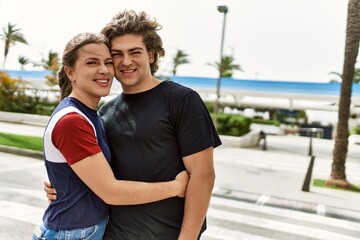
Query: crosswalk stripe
(219, 203)
(273, 225)
(23, 167)
(21, 212)
(262, 199)
(219, 233)
(39, 194)
(320, 210)
(286, 214)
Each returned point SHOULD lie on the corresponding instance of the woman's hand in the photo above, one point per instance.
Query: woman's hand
(182, 178)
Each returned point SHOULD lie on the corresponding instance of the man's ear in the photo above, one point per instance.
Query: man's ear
(151, 56)
(69, 73)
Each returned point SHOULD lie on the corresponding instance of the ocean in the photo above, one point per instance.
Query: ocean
(27, 74)
(230, 84)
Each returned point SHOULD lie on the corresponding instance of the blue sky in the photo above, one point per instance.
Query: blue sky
(290, 40)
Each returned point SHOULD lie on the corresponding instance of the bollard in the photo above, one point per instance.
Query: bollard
(307, 181)
(310, 145)
(263, 136)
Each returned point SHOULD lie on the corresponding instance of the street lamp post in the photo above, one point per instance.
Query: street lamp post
(222, 9)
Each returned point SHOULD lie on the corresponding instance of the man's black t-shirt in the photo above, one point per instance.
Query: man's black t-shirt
(148, 134)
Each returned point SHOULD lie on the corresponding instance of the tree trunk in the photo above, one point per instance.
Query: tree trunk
(338, 176)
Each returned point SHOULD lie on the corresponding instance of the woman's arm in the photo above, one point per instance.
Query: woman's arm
(96, 173)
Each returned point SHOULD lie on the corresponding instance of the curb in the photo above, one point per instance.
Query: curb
(22, 152)
(265, 200)
(24, 118)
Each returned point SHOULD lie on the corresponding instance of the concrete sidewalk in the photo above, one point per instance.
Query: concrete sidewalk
(276, 178)
(272, 177)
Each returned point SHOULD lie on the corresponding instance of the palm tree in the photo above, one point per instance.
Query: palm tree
(23, 61)
(338, 176)
(356, 78)
(11, 35)
(180, 58)
(338, 76)
(51, 63)
(227, 66)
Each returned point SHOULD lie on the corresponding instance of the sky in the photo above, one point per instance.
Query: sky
(285, 40)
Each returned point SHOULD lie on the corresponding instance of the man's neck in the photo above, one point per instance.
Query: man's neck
(145, 86)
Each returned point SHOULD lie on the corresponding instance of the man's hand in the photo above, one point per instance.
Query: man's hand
(50, 191)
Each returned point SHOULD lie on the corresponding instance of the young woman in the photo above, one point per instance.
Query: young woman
(76, 151)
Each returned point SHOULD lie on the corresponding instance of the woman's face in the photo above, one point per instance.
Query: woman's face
(93, 72)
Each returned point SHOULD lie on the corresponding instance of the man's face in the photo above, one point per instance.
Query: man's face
(131, 62)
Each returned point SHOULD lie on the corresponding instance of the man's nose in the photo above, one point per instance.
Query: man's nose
(126, 60)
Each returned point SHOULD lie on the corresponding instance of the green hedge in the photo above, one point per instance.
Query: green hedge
(232, 125)
(265, 121)
(355, 130)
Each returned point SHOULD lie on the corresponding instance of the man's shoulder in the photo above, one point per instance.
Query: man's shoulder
(176, 88)
(175, 85)
(108, 105)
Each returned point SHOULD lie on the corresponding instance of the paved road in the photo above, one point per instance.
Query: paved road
(22, 200)
(233, 220)
(22, 203)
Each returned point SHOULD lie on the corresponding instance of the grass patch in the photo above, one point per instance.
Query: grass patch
(321, 183)
(20, 141)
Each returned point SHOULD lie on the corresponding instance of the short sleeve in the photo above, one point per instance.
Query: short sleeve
(194, 127)
(75, 138)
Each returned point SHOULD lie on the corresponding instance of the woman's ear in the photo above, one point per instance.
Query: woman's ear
(69, 73)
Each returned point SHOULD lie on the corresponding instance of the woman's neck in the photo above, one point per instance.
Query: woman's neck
(91, 102)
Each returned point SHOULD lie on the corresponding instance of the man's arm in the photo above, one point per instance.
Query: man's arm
(200, 166)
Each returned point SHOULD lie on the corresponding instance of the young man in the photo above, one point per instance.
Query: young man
(155, 129)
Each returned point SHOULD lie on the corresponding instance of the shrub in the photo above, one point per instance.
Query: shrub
(13, 98)
(46, 110)
(264, 121)
(355, 130)
(233, 125)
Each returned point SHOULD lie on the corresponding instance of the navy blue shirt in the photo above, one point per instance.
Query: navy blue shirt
(76, 205)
